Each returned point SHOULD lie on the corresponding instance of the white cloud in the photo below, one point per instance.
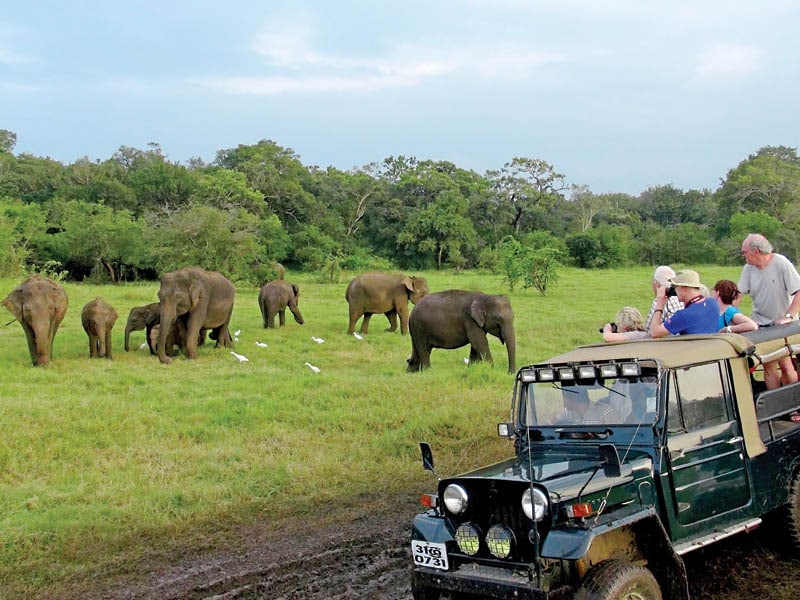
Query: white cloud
(728, 62)
(298, 67)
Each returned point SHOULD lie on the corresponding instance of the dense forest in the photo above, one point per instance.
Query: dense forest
(137, 214)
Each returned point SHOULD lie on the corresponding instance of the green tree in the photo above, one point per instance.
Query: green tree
(768, 181)
(440, 231)
(525, 187)
(208, 237)
(95, 240)
(532, 266)
(8, 140)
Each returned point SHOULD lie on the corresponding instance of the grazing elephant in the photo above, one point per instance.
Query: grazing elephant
(39, 304)
(273, 299)
(98, 318)
(455, 318)
(383, 293)
(206, 297)
(142, 317)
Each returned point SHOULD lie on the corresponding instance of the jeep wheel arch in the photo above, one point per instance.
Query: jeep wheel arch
(619, 580)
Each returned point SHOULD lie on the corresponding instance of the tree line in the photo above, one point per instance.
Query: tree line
(137, 214)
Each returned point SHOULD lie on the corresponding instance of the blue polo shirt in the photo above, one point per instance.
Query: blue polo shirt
(699, 316)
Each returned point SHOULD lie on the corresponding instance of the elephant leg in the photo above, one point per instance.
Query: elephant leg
(392, 316)
(365, 322)
(30, 337)
(402, 312)
(271, 319)
(192, 332)
(355, 315)
(414, 361)
(152, 340)
(108, 344)
(479, 345)
(282, 316)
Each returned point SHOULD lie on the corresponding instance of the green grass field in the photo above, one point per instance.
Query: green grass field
(104, 462)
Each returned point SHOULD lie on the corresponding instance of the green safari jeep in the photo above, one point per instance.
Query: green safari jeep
(627, 456)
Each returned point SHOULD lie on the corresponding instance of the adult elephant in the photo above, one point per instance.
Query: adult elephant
(455, 318)
(206, 297)
(274, 298)
(142, 317)
(39, 304)
(98, 318)
(385, 293)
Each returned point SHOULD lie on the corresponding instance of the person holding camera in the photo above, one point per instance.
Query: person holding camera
(627, 325)
(698, 315)
(661, 278)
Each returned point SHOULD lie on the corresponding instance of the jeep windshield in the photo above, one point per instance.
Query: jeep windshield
(587, 395)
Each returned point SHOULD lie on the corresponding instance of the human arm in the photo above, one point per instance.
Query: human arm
(740, 323)
(657, 328)
(791, 312)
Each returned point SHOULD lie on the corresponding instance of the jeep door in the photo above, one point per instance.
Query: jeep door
(707, 473)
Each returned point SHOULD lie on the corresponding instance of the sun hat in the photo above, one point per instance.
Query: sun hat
(687, 278)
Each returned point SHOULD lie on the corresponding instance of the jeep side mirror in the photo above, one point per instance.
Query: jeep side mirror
(427, 456)
(611, 464)
(505, 430)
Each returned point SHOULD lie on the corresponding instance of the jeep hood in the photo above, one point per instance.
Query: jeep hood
(565, 471)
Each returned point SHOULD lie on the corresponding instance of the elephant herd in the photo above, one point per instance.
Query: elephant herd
(193, 301)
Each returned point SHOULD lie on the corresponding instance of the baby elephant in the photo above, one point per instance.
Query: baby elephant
(98, 318)
(274, 298)
(142, 317)
(455, 318)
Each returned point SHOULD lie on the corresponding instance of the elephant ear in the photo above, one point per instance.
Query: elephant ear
(477, 310)
(14, 307)
(408, 282)
(195, 291)
(296, 290)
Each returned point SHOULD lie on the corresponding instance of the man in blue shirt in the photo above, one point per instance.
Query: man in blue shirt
(699, 314)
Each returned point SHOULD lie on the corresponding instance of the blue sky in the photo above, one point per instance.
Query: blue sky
(617, 95)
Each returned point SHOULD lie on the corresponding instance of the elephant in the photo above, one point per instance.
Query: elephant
(142, 317)
(39, 304)
(273, 299)
(98, 318)
(206, 297)
(455, 318)
(383, 293)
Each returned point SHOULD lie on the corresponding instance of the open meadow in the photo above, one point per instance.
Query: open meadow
(104, 463)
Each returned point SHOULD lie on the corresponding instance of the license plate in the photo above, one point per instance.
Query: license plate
(429, 554)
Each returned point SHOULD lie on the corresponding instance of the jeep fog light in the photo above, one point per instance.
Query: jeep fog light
(455, 498)
(500, 540)
(468, 538)
(534, 504)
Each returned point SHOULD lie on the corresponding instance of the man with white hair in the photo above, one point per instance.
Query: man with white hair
(661, 278)
(773, 282)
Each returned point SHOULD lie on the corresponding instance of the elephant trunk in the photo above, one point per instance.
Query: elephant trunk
(166, 322)
(298, 316)
(43, 342)
(511, 347)
(128, 329)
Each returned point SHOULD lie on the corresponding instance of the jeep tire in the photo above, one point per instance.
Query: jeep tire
(791, 520)
(618, 580)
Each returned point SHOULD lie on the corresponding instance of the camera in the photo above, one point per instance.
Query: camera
(613, 328)
(671, 291)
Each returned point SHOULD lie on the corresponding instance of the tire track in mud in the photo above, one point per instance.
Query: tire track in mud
(369, 556)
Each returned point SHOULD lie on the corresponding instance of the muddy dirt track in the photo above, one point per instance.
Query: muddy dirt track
(367, 557)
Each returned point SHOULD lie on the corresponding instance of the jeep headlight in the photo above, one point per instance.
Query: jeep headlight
(534, 504)
(455, 498)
